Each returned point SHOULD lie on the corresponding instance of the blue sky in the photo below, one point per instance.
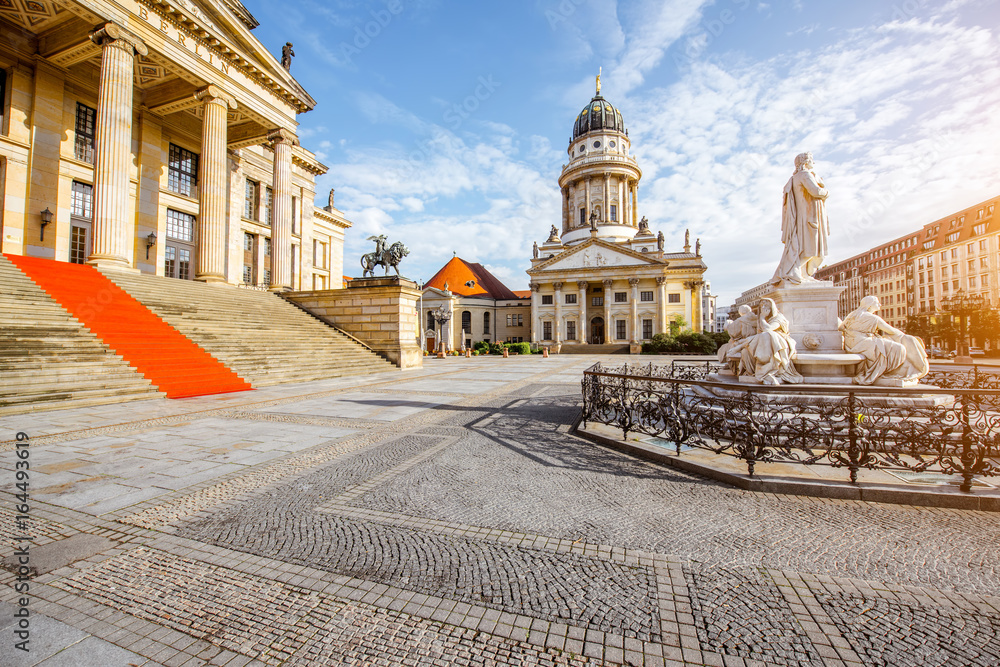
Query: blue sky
(445, 124)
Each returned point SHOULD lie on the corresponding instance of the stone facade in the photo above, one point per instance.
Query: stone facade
(379, 312)
(605, 278)
(163, 140)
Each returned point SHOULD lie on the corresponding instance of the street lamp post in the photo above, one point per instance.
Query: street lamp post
(963, 305)
(441, 316)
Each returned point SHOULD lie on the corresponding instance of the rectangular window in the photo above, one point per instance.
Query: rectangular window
(984, 280)
(268, 205)
(621, 297)
(251, 207)
(546, 299)
(83, 143)
(972, 265)
(597, 301)
(954, 285)
(972, 282)
(620, 329)
(614, 213)
(180, 226)
(267, 246)
(570, 298)
(247, 241)
(510, 319)
(930, 291)
(571, 331)
(922, 294)
(954, 253)
(267, 276)
(646, 296)
(673, 297)
(647, 329)
(546, 330)
(520, 321)
(182, 171)
(169, 260)
(82, 205)
(982, 245)
(247, 274)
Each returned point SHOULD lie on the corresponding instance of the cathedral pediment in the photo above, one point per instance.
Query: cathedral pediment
(595, 254)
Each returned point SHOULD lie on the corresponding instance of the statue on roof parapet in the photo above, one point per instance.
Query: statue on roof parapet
(286, 56)
(659, 241)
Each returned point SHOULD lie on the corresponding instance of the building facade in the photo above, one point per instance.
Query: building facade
(158, 136)
(602, 276)
(914, 274)
(479, 307)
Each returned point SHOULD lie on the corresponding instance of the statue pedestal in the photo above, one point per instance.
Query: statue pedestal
(811, 310)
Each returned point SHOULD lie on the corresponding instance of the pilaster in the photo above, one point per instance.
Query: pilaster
(535, 325)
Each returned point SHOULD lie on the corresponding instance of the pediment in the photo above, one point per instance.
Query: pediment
(229, 22)
(594, 254)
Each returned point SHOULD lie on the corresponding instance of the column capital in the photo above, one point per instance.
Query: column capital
(282, 136)
(633, 282)
(557, 286)
(661, 280)
(534, 287)
(582, 284)
(112, 34)
(607, 282)
(212, 93)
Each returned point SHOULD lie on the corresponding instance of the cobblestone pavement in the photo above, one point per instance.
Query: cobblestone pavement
(448, 516)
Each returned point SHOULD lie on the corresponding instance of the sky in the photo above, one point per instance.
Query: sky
(445, 124)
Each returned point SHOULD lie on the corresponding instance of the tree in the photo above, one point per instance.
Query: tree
(985, 327)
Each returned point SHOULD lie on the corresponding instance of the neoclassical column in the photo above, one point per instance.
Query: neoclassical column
(584, 325)
(634, 284)
(586, 218)
(565, 210)
(635, 204)
(557, 334)
(661, 304)
(535, 326)
(112, 232)
(607, 196)
(281, 211)
(608, 295)
(213, 185)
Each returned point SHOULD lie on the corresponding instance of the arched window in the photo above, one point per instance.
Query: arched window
(430, 320)
(486, 323)
(466, 321)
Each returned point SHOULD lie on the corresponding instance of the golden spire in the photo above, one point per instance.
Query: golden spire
(599, 80)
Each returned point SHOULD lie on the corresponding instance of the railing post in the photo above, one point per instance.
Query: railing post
(852, 432)
(968, 460)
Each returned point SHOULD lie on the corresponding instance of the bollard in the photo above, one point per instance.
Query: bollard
(468, 353)
(545, 353)
(505, 353)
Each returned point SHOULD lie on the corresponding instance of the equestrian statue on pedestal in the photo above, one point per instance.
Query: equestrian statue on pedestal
(386, 257)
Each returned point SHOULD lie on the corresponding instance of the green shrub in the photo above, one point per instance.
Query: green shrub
(496, 348)
(482, 346)
(519, 348)
(695, 343)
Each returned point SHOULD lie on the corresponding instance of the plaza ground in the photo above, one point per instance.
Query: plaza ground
(448, 516)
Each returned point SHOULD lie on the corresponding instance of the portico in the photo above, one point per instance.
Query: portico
(185, 162)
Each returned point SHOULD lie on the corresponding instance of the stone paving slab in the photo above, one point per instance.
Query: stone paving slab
(471, 527)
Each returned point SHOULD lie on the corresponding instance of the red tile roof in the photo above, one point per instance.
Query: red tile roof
(457, 272)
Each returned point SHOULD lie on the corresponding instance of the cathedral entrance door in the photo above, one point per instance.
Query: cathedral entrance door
(597, 331)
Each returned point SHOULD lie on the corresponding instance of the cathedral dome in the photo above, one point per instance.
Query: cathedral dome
(599, 114)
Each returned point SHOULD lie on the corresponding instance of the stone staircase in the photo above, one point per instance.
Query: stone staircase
(257, 334)
(50, 360)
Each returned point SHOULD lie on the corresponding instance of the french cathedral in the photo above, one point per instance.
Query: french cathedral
(603, 277)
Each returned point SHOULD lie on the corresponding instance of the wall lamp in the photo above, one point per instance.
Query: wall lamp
(150, 242)
(46, 216)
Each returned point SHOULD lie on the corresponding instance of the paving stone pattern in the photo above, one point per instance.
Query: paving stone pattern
(886, 632)
(592, 592)
(741, 613)
(447, 516)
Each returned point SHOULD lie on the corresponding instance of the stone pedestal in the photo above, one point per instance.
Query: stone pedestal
(380, 312)
(811, 309)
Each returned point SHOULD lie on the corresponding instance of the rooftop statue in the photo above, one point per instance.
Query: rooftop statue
(659, 240)
(888, 352)
(286, 56)
(593, 221)
(804, 224)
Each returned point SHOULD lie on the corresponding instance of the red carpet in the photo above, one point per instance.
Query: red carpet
(172, 362)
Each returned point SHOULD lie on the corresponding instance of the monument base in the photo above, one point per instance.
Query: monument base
(811, 310)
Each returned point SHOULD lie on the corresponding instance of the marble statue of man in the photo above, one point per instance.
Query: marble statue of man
(804, 224)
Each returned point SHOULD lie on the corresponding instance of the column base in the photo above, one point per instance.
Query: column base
(210, 278)
(279, 288)
(111, 264)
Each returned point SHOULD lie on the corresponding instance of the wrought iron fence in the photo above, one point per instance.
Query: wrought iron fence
(953, 430)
